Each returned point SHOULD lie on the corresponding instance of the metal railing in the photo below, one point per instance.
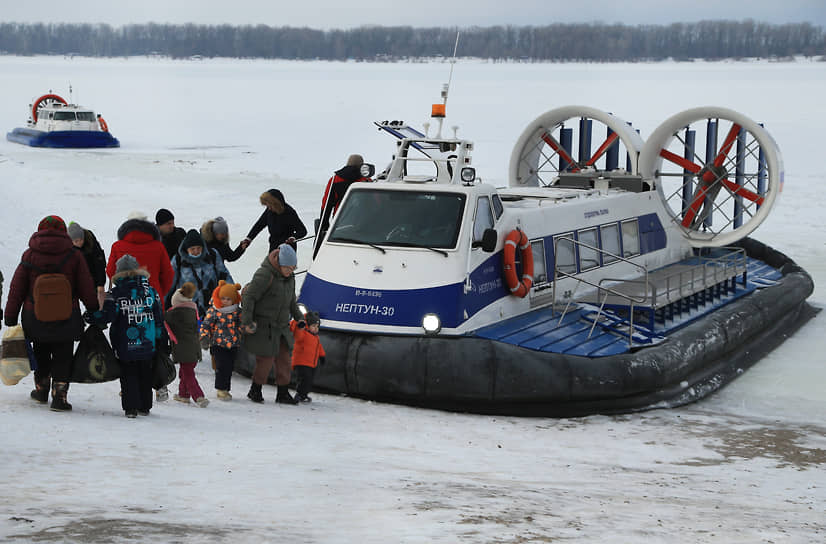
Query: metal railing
(677, 285)
(600, 288)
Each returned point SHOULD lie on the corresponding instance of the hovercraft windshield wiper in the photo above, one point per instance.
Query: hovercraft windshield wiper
(410, 244)
(355, 241)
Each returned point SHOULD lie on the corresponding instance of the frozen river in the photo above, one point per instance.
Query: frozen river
(206, 138)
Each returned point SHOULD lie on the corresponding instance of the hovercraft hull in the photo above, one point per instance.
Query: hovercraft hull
(481, 375)
(62, 138)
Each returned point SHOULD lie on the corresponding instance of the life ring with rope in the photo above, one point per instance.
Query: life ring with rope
(518, 239)
(102, 122)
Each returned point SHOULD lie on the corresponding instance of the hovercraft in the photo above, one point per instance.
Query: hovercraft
(54, 122)
(611, 275)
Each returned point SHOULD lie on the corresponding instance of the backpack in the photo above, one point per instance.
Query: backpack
(52, 292)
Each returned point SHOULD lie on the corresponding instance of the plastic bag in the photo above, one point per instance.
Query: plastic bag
(94, 360)
(14, 360)
(163, 370)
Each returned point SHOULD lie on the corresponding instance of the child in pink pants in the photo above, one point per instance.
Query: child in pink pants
(182, 323)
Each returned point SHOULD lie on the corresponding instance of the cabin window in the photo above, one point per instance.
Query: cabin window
(630, 238)
(498, 208)
(565, 254)
(64, 116)
(589, 252)
(540, 274)
(610, 242)
(85, 116)
(483, 220)
(399, 218)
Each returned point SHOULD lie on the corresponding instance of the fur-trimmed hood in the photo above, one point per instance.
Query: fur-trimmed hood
(208, 235)
(140, 225)
(130, 274)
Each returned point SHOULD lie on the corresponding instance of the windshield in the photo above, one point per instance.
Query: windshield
(64, 116)
(400, 218)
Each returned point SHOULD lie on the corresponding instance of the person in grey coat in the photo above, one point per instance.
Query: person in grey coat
(267, 304)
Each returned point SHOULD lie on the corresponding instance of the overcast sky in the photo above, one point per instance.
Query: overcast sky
(326, 14)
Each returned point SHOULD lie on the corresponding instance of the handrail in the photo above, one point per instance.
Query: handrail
(709, 271)
(631, 300)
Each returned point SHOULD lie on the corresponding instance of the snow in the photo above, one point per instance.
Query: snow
(206, 138)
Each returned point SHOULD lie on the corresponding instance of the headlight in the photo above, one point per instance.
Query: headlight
(302, 308)
(468, 174)
(431, 324)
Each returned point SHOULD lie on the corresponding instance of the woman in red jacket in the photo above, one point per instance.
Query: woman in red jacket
(51, 252)
(142, 240)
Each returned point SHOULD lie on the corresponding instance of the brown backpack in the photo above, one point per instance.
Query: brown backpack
(52, 292)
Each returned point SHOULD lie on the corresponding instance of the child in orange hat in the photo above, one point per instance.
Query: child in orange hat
(307, 354)
(221, 333)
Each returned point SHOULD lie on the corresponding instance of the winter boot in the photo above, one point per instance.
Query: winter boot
(283, 396)
(255, 393)
(203, 402)
(59, 392)
(223, 394)
(40, 393)
(162, 394)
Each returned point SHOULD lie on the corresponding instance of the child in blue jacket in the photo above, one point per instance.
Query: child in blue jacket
(134, 310)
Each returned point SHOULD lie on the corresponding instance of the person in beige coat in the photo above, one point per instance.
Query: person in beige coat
(267, 304)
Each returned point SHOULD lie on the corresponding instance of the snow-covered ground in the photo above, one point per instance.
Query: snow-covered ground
(206, 138)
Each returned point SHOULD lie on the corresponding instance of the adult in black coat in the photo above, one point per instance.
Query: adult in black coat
(280, 219)
(84, 241)
(171, 236)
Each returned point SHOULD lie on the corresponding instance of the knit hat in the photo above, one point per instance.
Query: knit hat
(163, 216)
(184, 294)
(312, 318)
(286, 255)
(52, 222)
(75, 231)
(355, 160)
(192, 238)
(125, 263)
(136, 215)
(219, 226)
(226, 290)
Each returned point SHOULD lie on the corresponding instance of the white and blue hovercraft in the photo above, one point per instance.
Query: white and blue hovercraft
(54, 122)
(611, 275)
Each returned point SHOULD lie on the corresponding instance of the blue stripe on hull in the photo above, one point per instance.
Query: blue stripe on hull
(62, 138)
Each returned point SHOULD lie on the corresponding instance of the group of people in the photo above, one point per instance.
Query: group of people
(169, 290)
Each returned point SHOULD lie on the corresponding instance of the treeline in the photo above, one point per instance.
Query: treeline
(591, 42)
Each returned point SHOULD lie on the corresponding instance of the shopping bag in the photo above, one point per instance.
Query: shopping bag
(14, 359)
(94, 360)
(163, 370)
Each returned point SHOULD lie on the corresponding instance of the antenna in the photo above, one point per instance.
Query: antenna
(439, 111)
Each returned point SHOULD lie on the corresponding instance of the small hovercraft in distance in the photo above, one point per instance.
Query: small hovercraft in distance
(57, 123)
(611, 274)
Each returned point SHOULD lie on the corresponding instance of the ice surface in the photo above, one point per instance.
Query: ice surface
(206, 138)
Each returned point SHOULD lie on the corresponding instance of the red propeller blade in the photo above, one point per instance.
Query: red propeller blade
(602, 149)
(561, 150)
(695, 206)
(740, 191)
(680, 161)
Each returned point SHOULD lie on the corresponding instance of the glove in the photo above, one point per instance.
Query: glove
(302, 324)
(322, 360)
(10, 321)
(205, 342)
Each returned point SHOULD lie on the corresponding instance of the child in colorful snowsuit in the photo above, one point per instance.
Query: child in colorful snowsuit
(134, 310)
(221, 334)
(182, 323)
(307, 354)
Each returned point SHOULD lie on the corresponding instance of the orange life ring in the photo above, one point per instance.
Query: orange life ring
(517, 238)
(103, 126)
